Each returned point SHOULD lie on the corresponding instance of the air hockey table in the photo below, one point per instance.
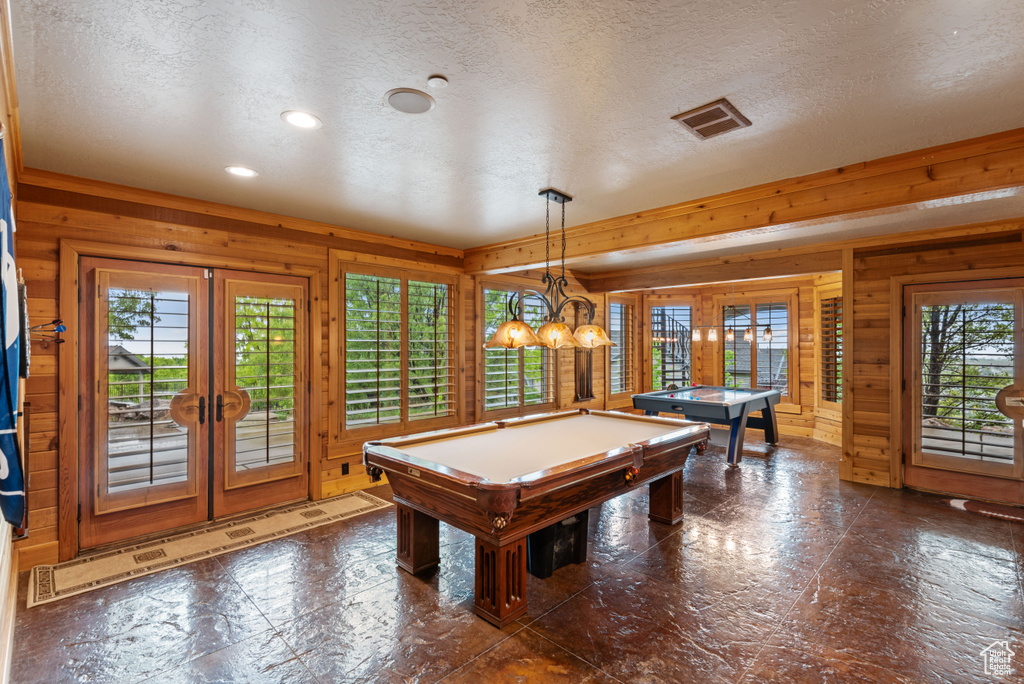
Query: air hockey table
(730, 406)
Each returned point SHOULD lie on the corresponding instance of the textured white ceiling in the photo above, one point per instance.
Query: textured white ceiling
(576, 94)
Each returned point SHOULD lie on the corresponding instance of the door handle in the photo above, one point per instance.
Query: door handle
(220, 408)
(202, 410)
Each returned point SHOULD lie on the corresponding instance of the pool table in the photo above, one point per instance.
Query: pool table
(730, 406)
(504, 480)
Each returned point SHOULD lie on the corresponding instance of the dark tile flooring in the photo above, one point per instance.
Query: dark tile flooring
(779, 572)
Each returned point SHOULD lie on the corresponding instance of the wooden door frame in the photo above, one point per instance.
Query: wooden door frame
(896, 355)
(68, 361)
(623, 399)
(106, 516)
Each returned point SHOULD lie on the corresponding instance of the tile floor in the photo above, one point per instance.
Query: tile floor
(779, 572)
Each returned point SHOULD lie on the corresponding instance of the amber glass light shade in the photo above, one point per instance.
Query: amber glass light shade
(512, 335)
(556, 335)
(748, 336)
(590, 336)
(768, 334)
(730, 335)
(712, 334)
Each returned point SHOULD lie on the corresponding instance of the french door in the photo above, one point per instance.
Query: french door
(964, 397)
(194, 395)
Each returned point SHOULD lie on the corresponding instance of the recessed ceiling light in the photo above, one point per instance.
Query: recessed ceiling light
(437, 81)
(301, 119)
(409, 100)
(243, 171)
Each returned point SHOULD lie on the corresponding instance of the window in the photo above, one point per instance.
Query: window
(771, 339)
(398, 349)
(621, 330)
(758, 356)
(831, 349)
(515, 378)
(736, 357)
(962, 354)
(670, 346)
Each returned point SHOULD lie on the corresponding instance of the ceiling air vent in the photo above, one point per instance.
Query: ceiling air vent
(712, 119)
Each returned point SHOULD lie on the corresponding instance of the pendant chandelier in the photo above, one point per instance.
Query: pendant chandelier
(554, 333)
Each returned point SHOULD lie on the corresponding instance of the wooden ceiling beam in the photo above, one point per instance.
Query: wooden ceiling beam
(793, 261)
(723, 269)
(962, 171)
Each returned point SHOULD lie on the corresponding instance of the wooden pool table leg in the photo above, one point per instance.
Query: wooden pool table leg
(736, 431)
(666, 497)
(418, 543)
(500, 592)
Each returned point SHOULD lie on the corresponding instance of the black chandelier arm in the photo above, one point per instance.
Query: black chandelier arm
(588, 306)
(515, 302)
(555, 300)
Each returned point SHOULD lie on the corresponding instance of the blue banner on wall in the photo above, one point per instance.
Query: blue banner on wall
(12, 488)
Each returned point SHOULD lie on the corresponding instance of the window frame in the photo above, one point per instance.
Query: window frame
(342, 438)
(915, 296)
(624, 399)
(553, 375)
(788, 296)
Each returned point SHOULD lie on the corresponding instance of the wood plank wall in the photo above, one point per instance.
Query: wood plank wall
(52, 209)
(873, 452)
(47, 215)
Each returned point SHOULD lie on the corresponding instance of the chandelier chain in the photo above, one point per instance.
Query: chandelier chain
(563, 240)
(547, 236)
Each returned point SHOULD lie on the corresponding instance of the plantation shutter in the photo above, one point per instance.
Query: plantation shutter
(373, 351)
(431, 369)
(832, 349)
(620, 329)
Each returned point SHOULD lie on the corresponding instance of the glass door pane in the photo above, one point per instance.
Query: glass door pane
(260, 403)
(265, 371)
(736, 357)
(147, 365)
(966, 352)
(670, 346)
(143, 388)
(148, 387)
(771, 338)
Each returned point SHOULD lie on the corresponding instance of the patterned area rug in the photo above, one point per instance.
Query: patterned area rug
(53, 582)
(990, 509)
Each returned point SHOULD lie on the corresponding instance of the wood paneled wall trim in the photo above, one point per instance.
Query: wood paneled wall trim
(43, 187)
(959, 169)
